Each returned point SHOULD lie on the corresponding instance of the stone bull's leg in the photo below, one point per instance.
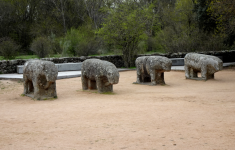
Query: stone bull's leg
(91, 85)
(138, 75)
(160, 78)
(51, 91)
(210, 76)
(187, 71)
(193, 73)
(55, 94)
(103, 85)
(99, 84)
(153, 77)
(106, 86)
(142, 78)
(84, 83)
(26, 89)
(30, 87)
(36, 89)
(204, 72)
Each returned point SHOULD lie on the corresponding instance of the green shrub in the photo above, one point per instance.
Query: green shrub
(88, 46)
(8, 48)
(80, 42)
(41, 46)
(194, 42)
(70, 42)
(55, 44)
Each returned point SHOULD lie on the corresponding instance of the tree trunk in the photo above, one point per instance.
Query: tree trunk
(62, 9)
(128, 56)
(125, 57)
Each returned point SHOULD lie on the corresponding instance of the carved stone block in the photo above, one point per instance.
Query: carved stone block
(98, 74)
(151, 69)
(206, 64)
(40, 79)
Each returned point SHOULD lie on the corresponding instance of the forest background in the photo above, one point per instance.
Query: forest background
(126, 27)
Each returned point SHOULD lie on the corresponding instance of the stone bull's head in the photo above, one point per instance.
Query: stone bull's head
(50, 71)
(219, 65)
(215, 65)
(166, 64)
(112, 74)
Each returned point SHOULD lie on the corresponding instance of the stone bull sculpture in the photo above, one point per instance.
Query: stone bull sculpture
(98, 74)
(206, 64)
(151, 69)
(40, 79)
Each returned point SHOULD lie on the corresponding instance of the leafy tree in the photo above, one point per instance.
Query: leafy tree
(23, 15)
(41, 46)
(125, 27)
(223, 12)
(70, 42)
(8, 48)
(6, 9)
(182, 33)
(81, 41)
(55, 44)
(205, 22)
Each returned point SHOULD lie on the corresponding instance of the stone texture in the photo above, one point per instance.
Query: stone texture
(151, 69)
(40, 79)
(207, 65)
(98, 74)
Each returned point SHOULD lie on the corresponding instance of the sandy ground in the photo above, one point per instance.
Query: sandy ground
(182, 115)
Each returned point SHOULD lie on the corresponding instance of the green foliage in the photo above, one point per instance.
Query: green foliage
(70, 42)
(41, 46)
(55, 45)
(184, 34)
(194, 42)
(8, 48)
(223, 12)
(80, 42)
(125, 29)
(205, 22)
(154, 45)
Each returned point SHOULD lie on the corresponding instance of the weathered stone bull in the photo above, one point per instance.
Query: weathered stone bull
(98, 74)
(206, 64)
(152, 68)
(40, 79)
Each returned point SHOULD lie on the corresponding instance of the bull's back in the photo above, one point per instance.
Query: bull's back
(30, 66)
(91, 67)
(158, 63)
(199, 59)
(29, 69)
(193, 59)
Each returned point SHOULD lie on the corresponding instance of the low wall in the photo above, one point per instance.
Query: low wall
(11, 65)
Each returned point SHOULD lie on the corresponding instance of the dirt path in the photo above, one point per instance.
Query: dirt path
(183, 115)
